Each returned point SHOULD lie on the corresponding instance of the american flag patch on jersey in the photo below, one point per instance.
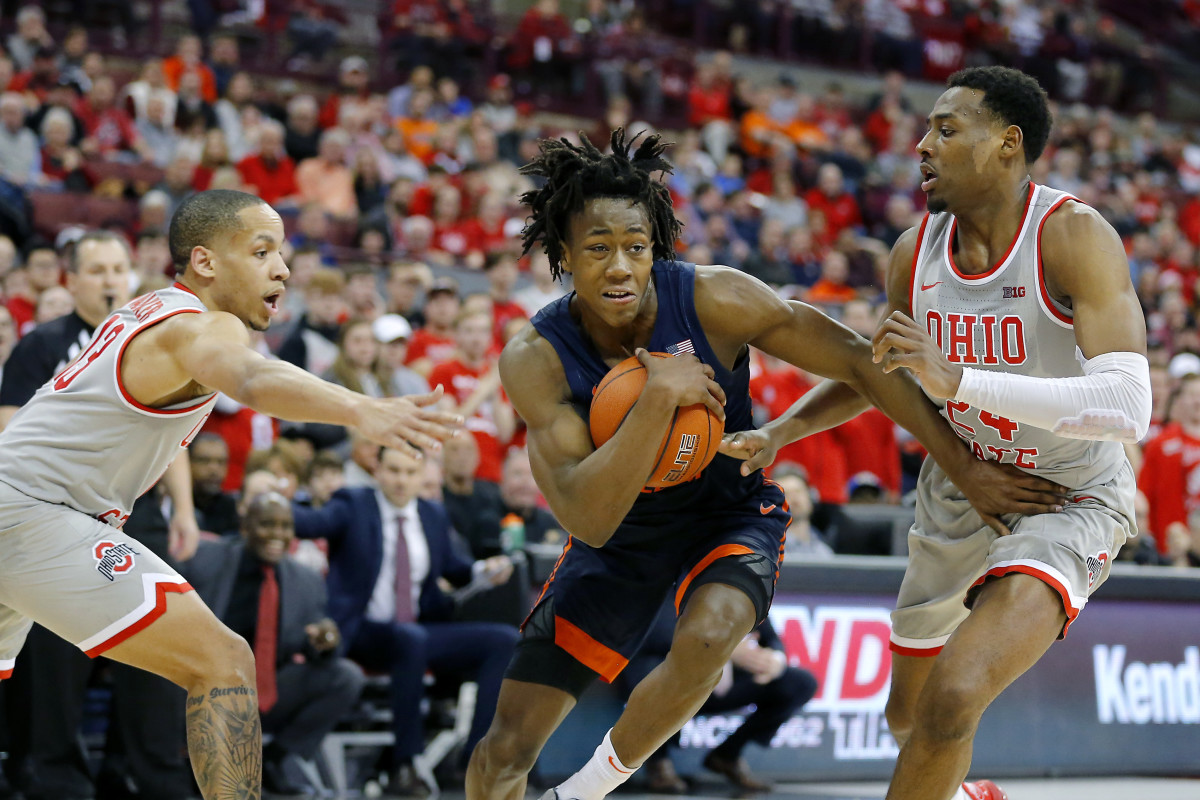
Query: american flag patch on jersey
(685, 346)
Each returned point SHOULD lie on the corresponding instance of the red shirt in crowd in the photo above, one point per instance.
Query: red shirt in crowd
(822, 454)
(112, 129)
(426, 344)
(1170, 478)
(244, 431)
(869, 442)
(840, 212)
(460, 382)
(270, 181)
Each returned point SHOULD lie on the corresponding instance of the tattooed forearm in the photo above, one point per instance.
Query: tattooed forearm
(225, 743)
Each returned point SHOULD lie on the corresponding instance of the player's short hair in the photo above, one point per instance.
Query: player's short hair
(1015, 99)
(574, 174)
(202, 217)
(99, 237)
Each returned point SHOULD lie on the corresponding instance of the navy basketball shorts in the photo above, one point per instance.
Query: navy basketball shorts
(599, 603)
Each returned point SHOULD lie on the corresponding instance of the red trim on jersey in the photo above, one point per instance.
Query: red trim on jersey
(1007, 253)
(178, 285)
(1044, 577)
(160, 608)
(1041, 275)
(915, 652)
(121, 384)
(912, 279)
(5, 673)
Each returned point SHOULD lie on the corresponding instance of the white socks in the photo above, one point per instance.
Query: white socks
(961, 794)
(600, 775)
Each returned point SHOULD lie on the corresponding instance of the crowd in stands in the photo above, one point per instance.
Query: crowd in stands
(402, 205)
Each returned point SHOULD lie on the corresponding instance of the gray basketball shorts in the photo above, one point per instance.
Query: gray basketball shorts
(951, 552)
(82, 579)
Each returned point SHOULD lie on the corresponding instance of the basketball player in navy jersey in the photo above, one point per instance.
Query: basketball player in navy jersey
(75, 458)
(993, 299)
(713, 544)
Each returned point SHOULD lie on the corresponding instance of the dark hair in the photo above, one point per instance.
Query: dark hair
(201, 217)
(1015, 99)
(35, 244)
(575, 174)
(100, 236)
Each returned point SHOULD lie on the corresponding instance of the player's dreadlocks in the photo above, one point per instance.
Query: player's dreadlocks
(575, 174)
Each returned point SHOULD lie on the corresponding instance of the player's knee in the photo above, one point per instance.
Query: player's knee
(224, 660)
(505, 753)
(950, 710)
(708, 638)
(899, 718)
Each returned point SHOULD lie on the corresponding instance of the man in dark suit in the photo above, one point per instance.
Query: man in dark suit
(278, 606)
(388, 549)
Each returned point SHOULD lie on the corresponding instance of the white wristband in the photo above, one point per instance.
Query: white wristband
(1111, 400)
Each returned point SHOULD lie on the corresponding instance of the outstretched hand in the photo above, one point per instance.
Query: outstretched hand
(994, 489)
(411, 423)
(754, 447)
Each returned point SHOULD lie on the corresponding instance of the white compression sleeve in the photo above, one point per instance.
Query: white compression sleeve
(1111, 400)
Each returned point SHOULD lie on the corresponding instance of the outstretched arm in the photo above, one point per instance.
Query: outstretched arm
(831, 403)
(212, 350)
(806, 338)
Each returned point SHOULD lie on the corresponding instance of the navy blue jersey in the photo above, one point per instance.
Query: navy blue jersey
(676, 330)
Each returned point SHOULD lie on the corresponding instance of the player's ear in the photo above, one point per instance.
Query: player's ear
(1014, 139)
(202, 262)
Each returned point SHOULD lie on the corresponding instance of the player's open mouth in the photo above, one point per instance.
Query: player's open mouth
(619, 296)
(271, 301)
(929, 177)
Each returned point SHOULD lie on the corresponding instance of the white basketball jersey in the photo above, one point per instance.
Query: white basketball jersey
(83, 441)
(1005, 320)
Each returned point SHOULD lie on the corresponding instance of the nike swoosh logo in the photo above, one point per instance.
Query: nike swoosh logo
(618, 769)
(925, 288)
(766, 509)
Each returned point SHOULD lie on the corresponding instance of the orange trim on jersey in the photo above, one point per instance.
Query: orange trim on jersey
(1007, 253)
(1041, 274)
(5, 673)
(121, 384)
(550, 580)
(713, 555)
(915, 652)
(160, 608)
(912, 278)
(1044, 577)
(605, 661)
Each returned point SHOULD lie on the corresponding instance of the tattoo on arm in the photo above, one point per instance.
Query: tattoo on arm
(225, 743)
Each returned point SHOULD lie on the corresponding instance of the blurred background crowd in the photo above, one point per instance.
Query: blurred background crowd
(389, 135)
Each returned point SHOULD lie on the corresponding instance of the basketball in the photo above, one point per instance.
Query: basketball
(692, 437)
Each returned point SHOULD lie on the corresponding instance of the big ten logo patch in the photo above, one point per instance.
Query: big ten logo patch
(113, 558)
(683, 457)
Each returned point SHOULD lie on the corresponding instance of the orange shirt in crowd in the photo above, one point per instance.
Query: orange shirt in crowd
(173, 69)
(331, 186)
(419, 136)
(756, 125)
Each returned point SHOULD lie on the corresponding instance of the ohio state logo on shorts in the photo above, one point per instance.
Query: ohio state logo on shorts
(1095, 565)
(113, 558)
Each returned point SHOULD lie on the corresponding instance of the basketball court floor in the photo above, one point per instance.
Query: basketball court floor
(1115, 788)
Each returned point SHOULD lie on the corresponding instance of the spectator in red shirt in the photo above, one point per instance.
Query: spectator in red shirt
(187, 59)
(544, 48)
(1170, 476)
(270, 173)
(830, 197)
(41, 77)
(108, 129)
(433, 343)
(41, 271)
(63, 165)
(354, 78)
(472, 383)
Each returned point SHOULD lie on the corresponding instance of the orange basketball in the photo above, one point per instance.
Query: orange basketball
(692, 437)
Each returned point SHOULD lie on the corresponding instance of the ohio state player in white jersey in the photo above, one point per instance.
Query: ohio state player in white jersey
(74, 458)
(1012, 280)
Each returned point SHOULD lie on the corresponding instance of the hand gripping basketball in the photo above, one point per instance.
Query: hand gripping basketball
(695, 430)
